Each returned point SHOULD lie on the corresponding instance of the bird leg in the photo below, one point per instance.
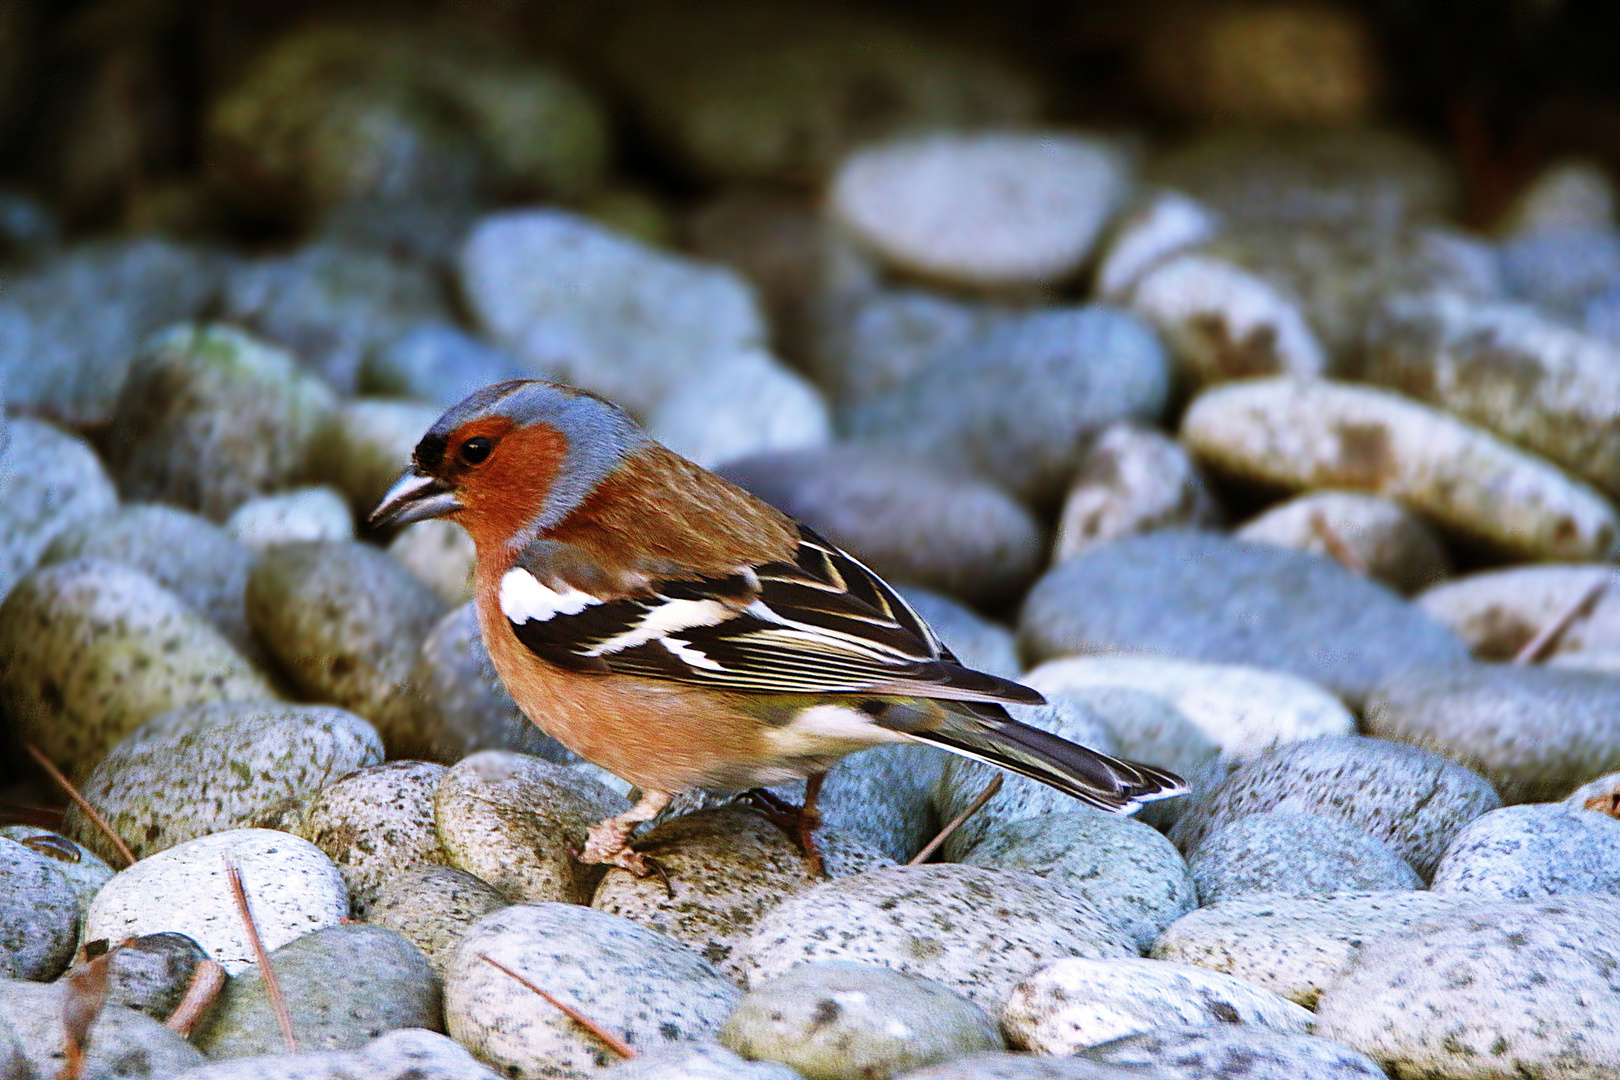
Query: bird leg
(609, 839)
(799, 822)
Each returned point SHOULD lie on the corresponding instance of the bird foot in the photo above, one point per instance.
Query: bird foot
(608, 843)
(798, 822)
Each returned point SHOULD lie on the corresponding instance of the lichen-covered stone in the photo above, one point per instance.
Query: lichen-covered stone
(375, 824)
(433, 906)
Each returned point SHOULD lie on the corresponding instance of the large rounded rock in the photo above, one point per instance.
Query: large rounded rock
(1294, 854)
(441, 555)
(50, 483)
(121, 1043)
(212, 417)
(345, 622)
(1532, 852)
(435, 360)
(748, 404)
(403, 1054)
(865, 340)
(39, 913)
(973, 930)
(1233, 1051)
(1132, 480)
(1535, 732)
(91, 650)
(376, 824)
(1491, 990)
(363, 445)
(830, 1021)
(152, 973)
(904, 519)
(208, 768)
(1413, 800)
(1499, 612)
(1297, 434)
(291, 517)
(1204, 597)
(643, 987)
(1363, 531)
(433, 906)
(84, 871)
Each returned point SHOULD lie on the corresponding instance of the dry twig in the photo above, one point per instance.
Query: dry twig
(1539, 646)
(1337, 547)
(955, 823)
(206, 982)
(89, 811)
(267, 971)
(83, 997)
(613, 1042)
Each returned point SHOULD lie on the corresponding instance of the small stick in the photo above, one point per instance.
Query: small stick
(1542, 644)
(89, 811)
(85, 996)
(974, 807)
(614, 1043)
(1342, 553)
(267, 971)
(206, 982)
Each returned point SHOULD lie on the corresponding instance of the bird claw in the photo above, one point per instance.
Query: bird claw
(799, 822)
(608, 844)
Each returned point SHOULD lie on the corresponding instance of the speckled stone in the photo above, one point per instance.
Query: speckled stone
(1242, 710)
(1132, 480)
(376, 824)
(150, 974)
(1027, 1067)
(1498, 612)
(1490, 990)
(834, 1020)
(696, 1061)
(291, 517)
(405, 1054)
(433, 906)
(644, 987)
(1294, 854)
(441, 555)
(1236, 1052)
(515, 821)
(1293, 946)
(974, 930)
(208, 768)
(1076, 1003)
(49, 483)
(343, 985)
(1122, 869)
(292, 888)
(344, 622)
(1393, 544)
(364, 444)
(1532, 852)
(91, 650)
(123, 1043)
(1535, 732)
(39, 913)
(1413, 800)
(1299, 434)
(212, 417)
(85, 872)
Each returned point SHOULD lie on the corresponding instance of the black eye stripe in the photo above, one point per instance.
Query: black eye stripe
(430, 451)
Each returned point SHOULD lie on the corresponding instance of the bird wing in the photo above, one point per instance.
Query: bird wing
(820, 624)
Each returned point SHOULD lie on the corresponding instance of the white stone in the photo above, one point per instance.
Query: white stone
(291, 517)
(1168, 224)
(744, 405)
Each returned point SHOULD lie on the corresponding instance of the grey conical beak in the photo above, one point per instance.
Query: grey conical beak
(414, 497)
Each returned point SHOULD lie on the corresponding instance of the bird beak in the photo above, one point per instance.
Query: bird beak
(414, 497)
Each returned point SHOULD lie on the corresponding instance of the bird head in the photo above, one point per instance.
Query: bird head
(511, 461)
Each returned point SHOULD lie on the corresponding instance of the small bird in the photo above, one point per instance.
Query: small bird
(680, 633)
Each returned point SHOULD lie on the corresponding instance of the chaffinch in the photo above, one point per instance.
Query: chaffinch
(680, 633)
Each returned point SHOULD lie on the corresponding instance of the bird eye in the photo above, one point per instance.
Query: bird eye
(476, 449)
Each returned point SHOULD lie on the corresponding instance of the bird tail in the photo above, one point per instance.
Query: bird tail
(984, 732)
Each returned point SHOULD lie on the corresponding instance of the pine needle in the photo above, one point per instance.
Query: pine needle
(1539, 646)
(206, 982)
(1337, 547)
(89, 811)
(267, 971)
(613, 1042)
(955, 823)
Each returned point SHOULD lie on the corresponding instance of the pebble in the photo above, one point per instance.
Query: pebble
(343, 986)
(1532, 852)
(1367, 533)
(1294, 946)
(594, 309)
(1021, 402)
(85, 872)
(1414, 800)
(291, 517)
(50, 483)
(1236, 1052)
(1120, 868)
(345, 623)
(433, 906)
(646, 988)
(872, 340)
(122, 1043)
(977, 642)
(1198, 596)
(375, 824)
(973, 930)
(747, 404)
(833, 1020)
(1572, 193)
(211, 417)
(292, 888)
(906, 519)
(405, 1054)
(190, 556)
(151, 974)
(1534, 732)
(1499, 612)
(1077, 1003)
(91, 650)
(441, 555)
(205, 769)
(1242, 711)
(726, 868)
(364, 445)
(1223, 322)
(461, 705)
(1489, 990)
(39, 913)
(1160, 225)
(515, 821)
(70, 329)
(1298, 434)
(696, 1060)
(1132, 480)
(435, 361)
(1295, 854)
(1563, 271)
(987, 210)
(1027, 1067)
